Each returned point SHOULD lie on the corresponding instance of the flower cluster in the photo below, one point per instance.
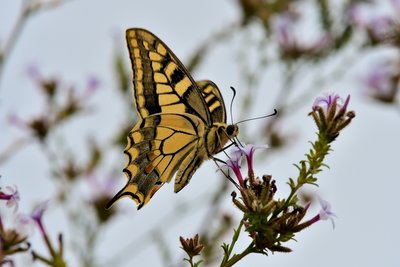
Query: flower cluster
(382, 82)
(331, 115)
(102, 191)
(291, 47)
(14, 240)
(55, 112)
(269, 221)
(11, 196)
(379, 29)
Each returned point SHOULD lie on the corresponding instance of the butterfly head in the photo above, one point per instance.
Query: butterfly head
(231, 131)
(223, 133)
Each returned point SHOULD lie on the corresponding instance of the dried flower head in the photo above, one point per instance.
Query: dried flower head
(191, 246)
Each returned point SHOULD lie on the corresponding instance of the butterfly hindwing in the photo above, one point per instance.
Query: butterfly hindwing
(214, 101)
(216, 107)
(156, 148)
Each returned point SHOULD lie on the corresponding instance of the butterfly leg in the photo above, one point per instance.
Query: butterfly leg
(216, 160)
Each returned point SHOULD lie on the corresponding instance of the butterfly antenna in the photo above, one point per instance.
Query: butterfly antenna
(231, 106)
(262, 117)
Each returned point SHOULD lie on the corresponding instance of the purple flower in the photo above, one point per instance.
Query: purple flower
(235, 159)
(396, 5)
(378, 28)
(285, 32)
(102, 190)
(381, 81)
(326, 102)
(356, 17)
(37, 215)
(101, 187)
(378, 78)
(34, 73)
(24, 224)
(234, 164)
(322, 43)
(331, 116)
(248, 151)
(11, 195)
(16, 121)
(324, 214)
(93, 84)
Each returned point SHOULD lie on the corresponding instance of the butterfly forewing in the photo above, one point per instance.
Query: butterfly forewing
(162, 84)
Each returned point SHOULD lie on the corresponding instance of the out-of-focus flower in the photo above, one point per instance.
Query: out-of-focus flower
(12, 241)
(37, 215)
(102, 187)
(11, 195)
(102, 191)
(16, 121)
(381, 29)
(321, 44)
(71, 170)
(93, 84)
(396, 6)
(383, 82)
(56, 255)
(40, 126)
(48, 86)
(24, 224)
(291, 46)
(265, 10)
(285, 34)
(60, 105)
(379, 26)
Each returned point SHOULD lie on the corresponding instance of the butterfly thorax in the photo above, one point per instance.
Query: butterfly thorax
(218, 135)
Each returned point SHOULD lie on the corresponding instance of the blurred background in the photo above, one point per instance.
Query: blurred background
(66, 107)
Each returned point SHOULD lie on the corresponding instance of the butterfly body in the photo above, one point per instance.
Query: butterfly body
(182, 122)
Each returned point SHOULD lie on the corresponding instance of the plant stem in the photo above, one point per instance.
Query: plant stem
(235, 237)
(238, 257)
(227, 261)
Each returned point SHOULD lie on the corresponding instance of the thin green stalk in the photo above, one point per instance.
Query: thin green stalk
(227, 261)
(230, 247)
(238, 257)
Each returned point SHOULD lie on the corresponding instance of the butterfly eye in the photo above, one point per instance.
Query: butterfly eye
(230, 130)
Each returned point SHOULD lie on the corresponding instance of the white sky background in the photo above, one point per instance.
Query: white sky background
(76, 40)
